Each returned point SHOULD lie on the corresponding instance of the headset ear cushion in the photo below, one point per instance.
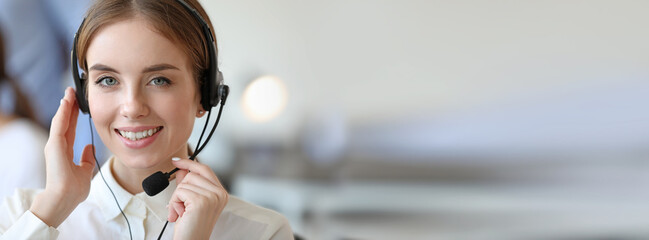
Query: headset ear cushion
(224, 91)
(216, 88)
(211, 90)
(82, 101)
(84, 89)
(205, 93)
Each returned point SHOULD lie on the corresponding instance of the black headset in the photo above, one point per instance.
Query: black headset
(212, 88)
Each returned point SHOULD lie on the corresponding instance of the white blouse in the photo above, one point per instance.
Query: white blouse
(98, 217)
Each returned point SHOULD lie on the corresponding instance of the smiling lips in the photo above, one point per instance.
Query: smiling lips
(139, 137)
(134, 136)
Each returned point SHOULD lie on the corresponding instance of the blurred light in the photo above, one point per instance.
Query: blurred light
(264, 98)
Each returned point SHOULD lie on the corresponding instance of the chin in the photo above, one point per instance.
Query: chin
(140, 161)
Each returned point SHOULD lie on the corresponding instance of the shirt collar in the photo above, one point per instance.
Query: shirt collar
(156, 204)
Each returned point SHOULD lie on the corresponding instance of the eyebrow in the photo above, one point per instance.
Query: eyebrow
(159, 67)
(153, 68)
(102, 67)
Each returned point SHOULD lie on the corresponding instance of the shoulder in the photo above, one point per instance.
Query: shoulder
(24, 125)
(24, 131)
(21, 139)
(251, 211)
(266, 223)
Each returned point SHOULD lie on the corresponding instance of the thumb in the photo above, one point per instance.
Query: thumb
(180, 175)
(88, 158)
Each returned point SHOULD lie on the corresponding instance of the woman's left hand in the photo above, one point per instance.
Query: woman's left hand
(197, 201)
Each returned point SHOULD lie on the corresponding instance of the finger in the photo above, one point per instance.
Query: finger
(176, 209)
(171, 215)
(57, 140)
(198, 180)
(60, 119)
(180, 176)
(199, 168)
(88, 160)
(74, 116)
(199, 190)
(177, 202)
(183, 197)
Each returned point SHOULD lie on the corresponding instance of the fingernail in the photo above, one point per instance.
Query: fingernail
(61, 102)
(175, 159)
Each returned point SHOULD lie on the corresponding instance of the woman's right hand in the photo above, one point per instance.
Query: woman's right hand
(67, 184)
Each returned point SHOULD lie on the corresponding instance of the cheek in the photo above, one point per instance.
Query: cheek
(96, 102)
(99, 100)
(179, 111)
(102, 111)
(179, 117)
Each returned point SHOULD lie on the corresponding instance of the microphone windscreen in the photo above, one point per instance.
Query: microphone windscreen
(155, 183)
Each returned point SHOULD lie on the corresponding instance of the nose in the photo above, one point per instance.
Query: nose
(134, 105)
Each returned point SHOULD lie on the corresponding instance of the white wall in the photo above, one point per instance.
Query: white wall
(379, 60)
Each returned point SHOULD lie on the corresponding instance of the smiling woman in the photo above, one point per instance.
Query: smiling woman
(148, 68)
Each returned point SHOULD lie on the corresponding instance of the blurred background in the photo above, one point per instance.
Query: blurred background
(440, 119)
(425, 119)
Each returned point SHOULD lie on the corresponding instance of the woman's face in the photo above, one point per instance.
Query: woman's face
(141, 94)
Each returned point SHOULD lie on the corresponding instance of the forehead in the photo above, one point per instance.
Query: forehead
(133, 44)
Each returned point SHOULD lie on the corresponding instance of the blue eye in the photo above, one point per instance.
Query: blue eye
(107, 81)
(160, 81)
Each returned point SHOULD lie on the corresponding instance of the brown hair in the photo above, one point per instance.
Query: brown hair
(21, 104)
(168, 17)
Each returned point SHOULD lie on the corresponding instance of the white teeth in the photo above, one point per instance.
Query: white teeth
(134, 136)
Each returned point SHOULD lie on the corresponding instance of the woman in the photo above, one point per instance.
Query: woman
(143, 61)
(20, 137)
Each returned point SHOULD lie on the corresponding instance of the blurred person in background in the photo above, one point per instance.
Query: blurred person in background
(21, 139)
(35, 53)
(38, 41)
